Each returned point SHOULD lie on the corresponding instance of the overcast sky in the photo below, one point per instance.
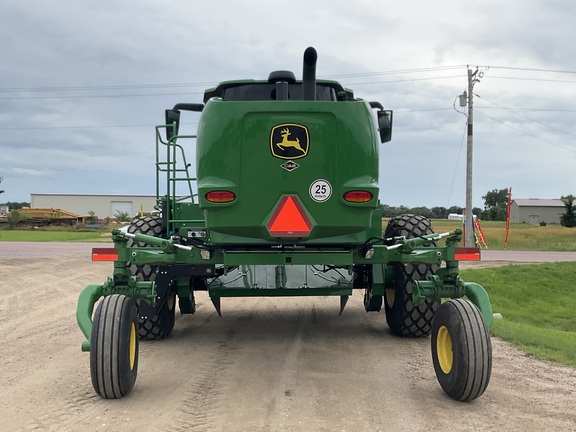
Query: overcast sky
(83, 83)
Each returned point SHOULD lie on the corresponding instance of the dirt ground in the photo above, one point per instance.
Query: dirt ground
(266, 365)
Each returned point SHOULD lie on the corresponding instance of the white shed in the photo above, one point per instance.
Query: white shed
(536, 210)
(103, 206)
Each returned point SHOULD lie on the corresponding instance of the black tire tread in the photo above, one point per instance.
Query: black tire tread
(159, 326)
(404, 318)
(474, 349)
(111, 377)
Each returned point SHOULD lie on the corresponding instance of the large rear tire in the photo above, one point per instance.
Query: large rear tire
(114, 347)
(403, 317)
(159, 325)
(461, 350)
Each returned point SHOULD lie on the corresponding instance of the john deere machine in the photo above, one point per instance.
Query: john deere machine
(284, 202)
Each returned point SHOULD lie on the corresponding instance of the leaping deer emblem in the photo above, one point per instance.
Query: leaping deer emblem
(285, 133)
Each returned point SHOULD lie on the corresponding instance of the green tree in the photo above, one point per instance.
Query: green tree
(455, 209)
(122, 216)
(422, 211)
(92, 218)
(14, 218)
(15, 205)
(391, 211)
(568, 219)
(439, 212)
(495, 205)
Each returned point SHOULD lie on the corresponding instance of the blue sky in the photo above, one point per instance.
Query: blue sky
(82, 85)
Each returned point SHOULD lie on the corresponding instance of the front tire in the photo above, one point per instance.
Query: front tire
(461, 350)
(114, 347)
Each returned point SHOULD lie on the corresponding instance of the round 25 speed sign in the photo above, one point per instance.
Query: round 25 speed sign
(320, 190)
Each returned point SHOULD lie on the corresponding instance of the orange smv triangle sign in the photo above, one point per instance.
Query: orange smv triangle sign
(289, 219)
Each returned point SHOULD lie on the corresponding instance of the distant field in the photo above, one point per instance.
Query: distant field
(522, 236)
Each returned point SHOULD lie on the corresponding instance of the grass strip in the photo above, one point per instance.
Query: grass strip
(538, 303)
(53, 236)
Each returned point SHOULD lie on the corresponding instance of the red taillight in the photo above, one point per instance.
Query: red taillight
(220, 196)
(467, 254)
(358, 196)
(104, 254)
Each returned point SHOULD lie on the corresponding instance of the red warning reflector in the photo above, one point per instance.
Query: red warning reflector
(467, 254)
(104, 254)
(358, 196)
(289, 219)
(220, 196)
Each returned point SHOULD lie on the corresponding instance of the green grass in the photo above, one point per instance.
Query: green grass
(521, 236)
(538, 303)
(53, 236)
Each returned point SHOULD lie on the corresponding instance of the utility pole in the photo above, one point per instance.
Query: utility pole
(469, 220)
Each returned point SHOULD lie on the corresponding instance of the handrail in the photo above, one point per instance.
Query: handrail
(175, 172)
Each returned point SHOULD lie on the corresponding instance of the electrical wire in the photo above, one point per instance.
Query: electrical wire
(104, 87)
(524, 132)
(204, 84)
(533, 79)
(532, 69)
(100, 96)
(350, 75)
(457, 161)
(83, 127)
(526, 117)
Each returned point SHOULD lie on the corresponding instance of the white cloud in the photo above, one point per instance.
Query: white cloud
(79, 44)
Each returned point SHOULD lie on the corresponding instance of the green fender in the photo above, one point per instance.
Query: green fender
(88, 298)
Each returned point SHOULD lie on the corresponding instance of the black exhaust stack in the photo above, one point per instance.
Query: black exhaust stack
(309, 74)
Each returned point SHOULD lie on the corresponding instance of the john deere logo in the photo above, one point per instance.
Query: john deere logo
(289, 141)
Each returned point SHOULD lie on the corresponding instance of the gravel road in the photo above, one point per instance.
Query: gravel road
(266, 365)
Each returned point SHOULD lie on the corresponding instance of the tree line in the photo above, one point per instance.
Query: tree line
(495, 209)
(15, 205)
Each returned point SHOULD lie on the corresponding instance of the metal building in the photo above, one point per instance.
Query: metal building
(103, 206)
(536, 211)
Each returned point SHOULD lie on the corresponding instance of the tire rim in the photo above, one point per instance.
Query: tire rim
(444, 350)
(171, 301)
(132, 346)
(390, 297)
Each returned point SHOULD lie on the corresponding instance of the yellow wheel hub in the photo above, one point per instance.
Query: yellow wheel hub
(132, 346)
(171, 301)
(444, 350)
(390, 297)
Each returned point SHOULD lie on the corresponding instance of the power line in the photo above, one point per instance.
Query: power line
(350, 75)
(99, 96)
(526, 117)
(104, 87)
(211, 84)
(396, 72)
(87, 127)
(531, 109)
(457, 160)
(525, 133)
(533, 79)
(531, 69)
(197, 93)
(403, 80)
